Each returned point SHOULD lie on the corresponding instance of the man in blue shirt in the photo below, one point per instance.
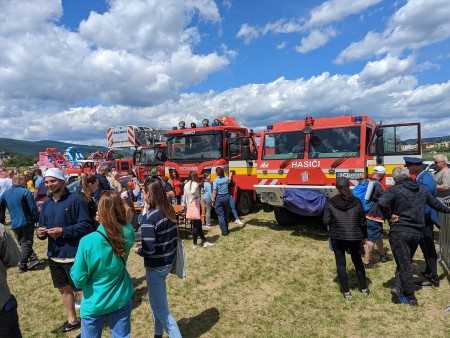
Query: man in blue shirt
(24, 214)
(64, 219)
(40, 190)
(415, 167)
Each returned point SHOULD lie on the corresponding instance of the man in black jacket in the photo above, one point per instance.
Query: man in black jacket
(103, 183)
(404, 204)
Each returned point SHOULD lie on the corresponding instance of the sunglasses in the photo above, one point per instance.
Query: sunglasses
(436, 162)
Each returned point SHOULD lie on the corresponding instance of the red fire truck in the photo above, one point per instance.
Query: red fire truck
(204, 148)
(311, 154)
(148, 145)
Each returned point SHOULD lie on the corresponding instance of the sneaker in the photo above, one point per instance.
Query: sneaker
(66, 327)
(208, 244)
(365, 292)
(386, 258)
(370, 265)
(196, 246)
(207, 227)
(77, 305)
(238, 221)
(33, 264)
(410, 301)
(396, 294)
(348, 295)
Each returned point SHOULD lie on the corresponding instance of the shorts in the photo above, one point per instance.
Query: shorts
(61, 274)
(374, 230)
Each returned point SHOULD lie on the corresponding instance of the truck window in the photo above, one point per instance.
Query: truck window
(201, 146)
(334, 143)
(125, 166)
(399, 139)
(281, 146)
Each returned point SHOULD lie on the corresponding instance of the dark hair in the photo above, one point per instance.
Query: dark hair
(193, 176)
(156, 198)
(85, 180)
(220, 172)
(177, 176)
(112, 215)
(38, 172)
(343, 186)
(202, 183)
(131, 172)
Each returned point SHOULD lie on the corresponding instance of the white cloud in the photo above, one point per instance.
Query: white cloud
(336, 10)
(131, 54)
(317, 26)
(315, 39)
(417, 24)
(282, 45)
(248, 33)
(378, 72)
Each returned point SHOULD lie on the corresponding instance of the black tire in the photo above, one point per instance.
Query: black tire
(244, 202)
(284, 217)
(267, 207)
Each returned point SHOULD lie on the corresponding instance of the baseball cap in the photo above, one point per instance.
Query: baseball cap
(379, 169)
(56, 173)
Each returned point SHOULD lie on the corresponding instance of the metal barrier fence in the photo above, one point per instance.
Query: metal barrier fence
(444, 238)
(444, 234)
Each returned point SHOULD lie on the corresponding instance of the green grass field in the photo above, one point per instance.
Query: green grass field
(262, 280)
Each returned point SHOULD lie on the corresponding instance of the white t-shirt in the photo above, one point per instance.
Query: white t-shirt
(191, 191)
(5, 184)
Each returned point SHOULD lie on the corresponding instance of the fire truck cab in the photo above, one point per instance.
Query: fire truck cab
(311, 154)
(207, 147)
(149, 149)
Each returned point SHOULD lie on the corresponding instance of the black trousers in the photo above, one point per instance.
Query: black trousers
(429, 251)
(339, 248)
(9, 320)
(403, 246)
(197, 230)
(25, 237)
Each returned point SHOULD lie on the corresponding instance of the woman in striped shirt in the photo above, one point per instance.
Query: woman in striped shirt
(159, 235)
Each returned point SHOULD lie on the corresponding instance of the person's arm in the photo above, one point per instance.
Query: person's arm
(384, 203)
(9, 252)
(436, 205)
(33, 206)
(83, 221)
(3, 206)
(41, 232)
(148, 235)
(327, 214)
(79, 271)
(362, 220)
(214, 193)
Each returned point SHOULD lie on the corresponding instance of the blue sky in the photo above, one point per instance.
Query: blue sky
(71, 69)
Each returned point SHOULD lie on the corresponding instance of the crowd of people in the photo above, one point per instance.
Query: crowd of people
(90, 236)
(409, 206)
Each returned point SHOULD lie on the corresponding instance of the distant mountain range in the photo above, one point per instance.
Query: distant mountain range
(14, 147)
(436, 139)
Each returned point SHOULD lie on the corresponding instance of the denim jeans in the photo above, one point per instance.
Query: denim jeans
(157, 297)
(25, 236)
(233, 208)
(118, 322)
(222, 206)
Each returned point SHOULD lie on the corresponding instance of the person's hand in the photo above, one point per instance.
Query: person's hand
(137, 246)
(394, 218)
(41, 231)
(55, 232)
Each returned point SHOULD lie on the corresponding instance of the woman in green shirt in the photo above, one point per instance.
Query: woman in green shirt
(100, 271)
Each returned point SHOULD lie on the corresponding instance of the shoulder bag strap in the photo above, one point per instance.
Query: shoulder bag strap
(106, 238)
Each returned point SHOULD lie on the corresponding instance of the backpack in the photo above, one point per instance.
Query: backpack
(360, 192)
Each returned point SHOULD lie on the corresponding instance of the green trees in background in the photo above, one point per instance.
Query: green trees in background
(20, 161)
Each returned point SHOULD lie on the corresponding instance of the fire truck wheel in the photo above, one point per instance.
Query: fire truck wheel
(245, 202)
(284, 217)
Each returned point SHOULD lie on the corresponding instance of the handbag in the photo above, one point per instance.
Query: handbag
(193, 210)
(179, 264)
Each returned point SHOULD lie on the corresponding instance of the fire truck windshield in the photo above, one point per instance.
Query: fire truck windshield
(334, 143)
(151, 156)
(283, 146)
(196, 146)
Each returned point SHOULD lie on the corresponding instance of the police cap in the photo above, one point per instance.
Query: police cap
(412, 161)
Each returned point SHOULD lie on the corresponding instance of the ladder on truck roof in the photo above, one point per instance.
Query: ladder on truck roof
(134, 136)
